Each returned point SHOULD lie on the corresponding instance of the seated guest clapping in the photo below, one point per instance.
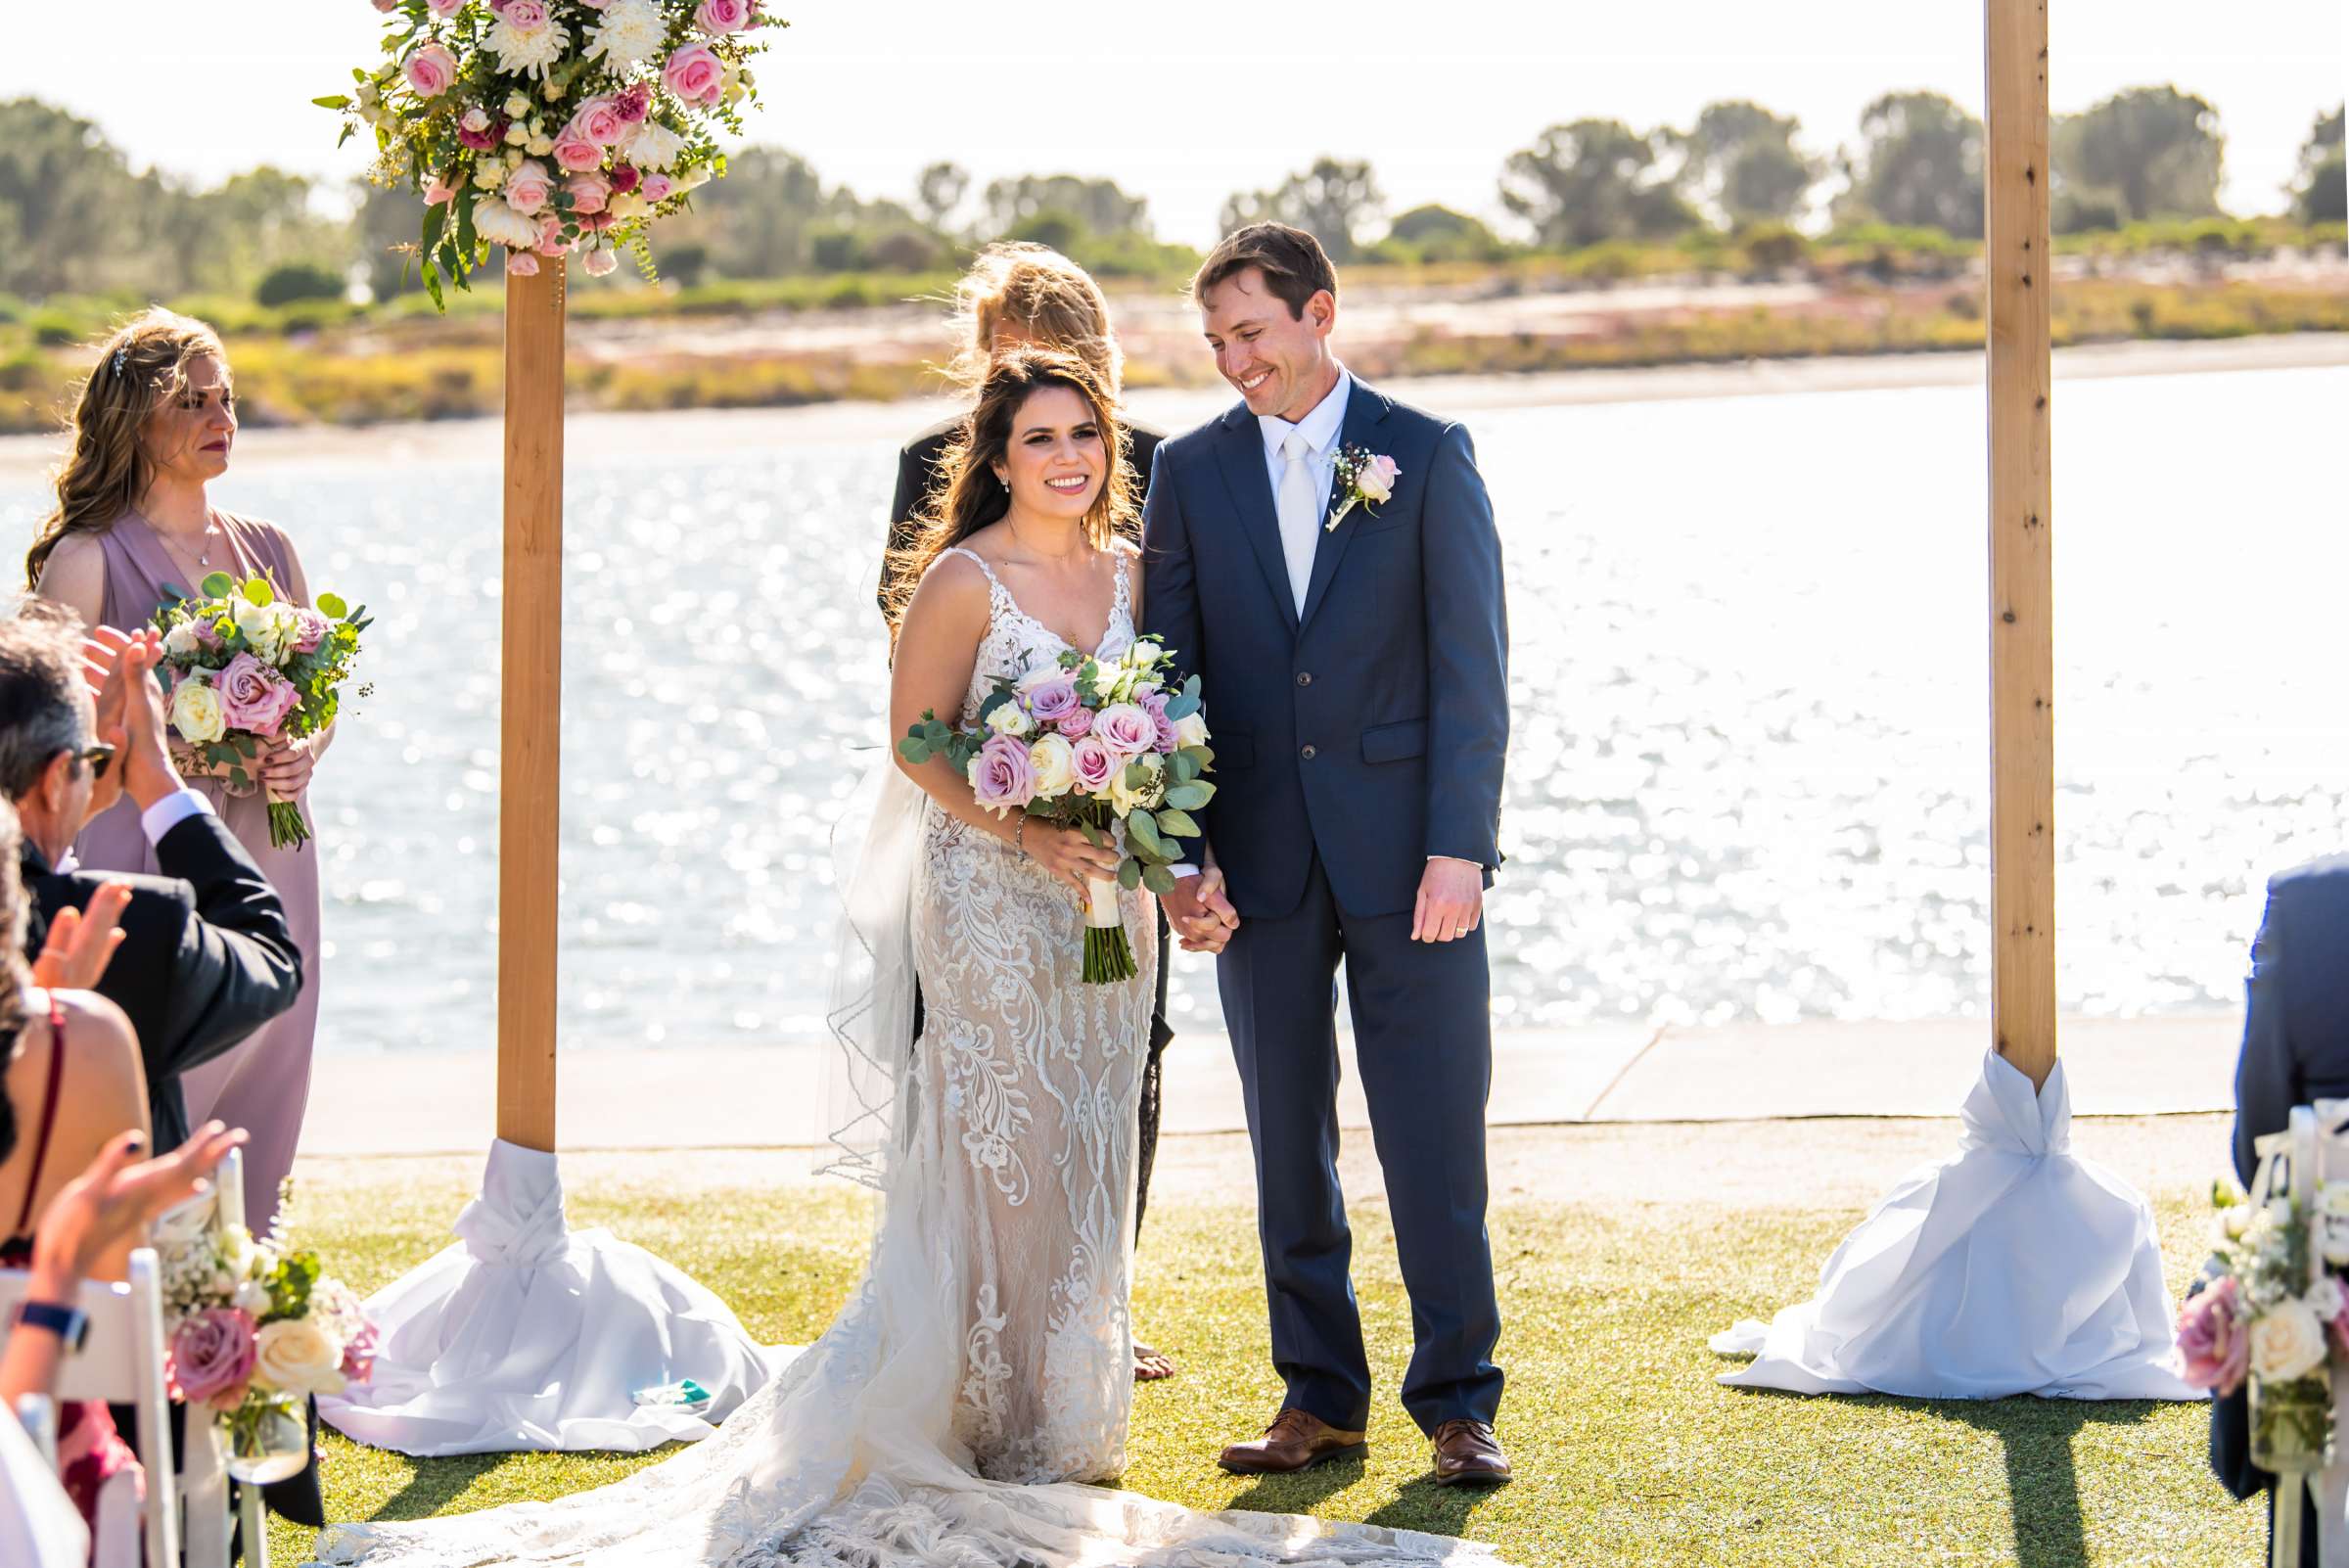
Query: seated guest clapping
(206, 955)
(2295, 1053)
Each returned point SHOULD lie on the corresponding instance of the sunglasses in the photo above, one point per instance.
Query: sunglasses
(98, 757)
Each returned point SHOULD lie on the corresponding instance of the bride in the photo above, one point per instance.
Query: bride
(983, 1368)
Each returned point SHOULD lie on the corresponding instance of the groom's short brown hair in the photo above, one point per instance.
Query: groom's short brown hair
(1293, 263)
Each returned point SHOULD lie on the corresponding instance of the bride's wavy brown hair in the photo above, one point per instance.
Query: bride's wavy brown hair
(141, 368)
(972, 497)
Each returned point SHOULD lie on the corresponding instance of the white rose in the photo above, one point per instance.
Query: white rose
(183, 643)
(1124, 800)
(294, 1355)
(2326, 1298)
(1148, 653)
(195, 713)
(1376, 479)
(1191, 729)
(265, 627)
(1008, 720)
(489, 177)
(539, 146)
(2287, 1340)
(517, 133)
(654, 146)
(625, 205)
(517, 106)
(1055, 763)
(252, 1296)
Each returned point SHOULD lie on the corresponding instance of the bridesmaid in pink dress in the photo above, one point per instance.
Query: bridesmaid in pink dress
(153, 429)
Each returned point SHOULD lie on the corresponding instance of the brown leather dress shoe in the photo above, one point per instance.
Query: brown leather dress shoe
(1469, 1455)
(1295, 1441)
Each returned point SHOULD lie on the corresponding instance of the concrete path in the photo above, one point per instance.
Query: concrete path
(778, 1096)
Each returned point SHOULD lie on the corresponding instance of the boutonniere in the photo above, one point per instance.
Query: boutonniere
(1363, 477)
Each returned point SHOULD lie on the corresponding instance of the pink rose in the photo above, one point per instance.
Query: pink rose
(443, 7)
(528, 187)
(595, 222)
(1376, 481)
(1078, 722)
(2214, 1339)
(695, 75)
(599, 262)
(590, 194)
(524, 15)
(634, 101)
(312, 629)
(658, 187)
(1125, 728)
(599, 120)
(437, 189)
(358, 1355)
(1155, 705)
(254, 696)
(478, 131)
(1051, 701)
(723, 16)
(212, 1358)
(1001, 775)
(1094, 764)
(387, 5)
(576, 153)
(431, 70)
(550, 236)
(521, 265)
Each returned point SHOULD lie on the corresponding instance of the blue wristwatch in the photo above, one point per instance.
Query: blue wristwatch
(68, 1323)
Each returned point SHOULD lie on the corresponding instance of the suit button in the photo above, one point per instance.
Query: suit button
(1307, 754)
(1303, 679)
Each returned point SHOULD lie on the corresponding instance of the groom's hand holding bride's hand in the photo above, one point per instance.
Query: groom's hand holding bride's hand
(1200, 912)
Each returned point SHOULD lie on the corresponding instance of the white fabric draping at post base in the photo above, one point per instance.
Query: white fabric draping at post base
(2014, 1268)
(529, 1335)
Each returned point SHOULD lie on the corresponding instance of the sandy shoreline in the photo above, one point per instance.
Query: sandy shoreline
(26, 459)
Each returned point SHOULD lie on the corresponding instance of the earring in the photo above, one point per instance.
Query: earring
(1006, 484)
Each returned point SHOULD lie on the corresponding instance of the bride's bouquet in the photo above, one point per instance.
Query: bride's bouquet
(245, 667)
(1091, 744)
(252, 1327)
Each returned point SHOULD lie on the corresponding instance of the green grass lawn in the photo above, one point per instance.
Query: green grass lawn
(1627, 1449)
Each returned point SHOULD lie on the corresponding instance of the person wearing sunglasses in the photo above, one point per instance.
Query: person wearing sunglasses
(202, 954)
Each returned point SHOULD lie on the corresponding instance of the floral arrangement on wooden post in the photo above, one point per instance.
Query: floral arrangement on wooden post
(548, 128)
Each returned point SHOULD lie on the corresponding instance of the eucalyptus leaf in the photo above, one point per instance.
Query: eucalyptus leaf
(1159, 880)
(914, 750)
(1190, 796)
(1185, 766)
(1144, 833)
(331, 607)
(1177, 821)
(257, 594)
(1181, 706)
(217, 585)
(1129, 874)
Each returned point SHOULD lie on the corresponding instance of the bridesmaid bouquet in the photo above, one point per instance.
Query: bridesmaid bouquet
(246, 666)
(1091, 744)
(252, 1328)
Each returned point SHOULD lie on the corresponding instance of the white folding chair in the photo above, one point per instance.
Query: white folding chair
(121, 1363)
(204, 1476)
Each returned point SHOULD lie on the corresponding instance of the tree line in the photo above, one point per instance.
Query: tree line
(74, 218)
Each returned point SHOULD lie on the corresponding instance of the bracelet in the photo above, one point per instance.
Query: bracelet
(1019, 835)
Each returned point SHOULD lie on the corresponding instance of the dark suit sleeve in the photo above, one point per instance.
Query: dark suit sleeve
(237, 965)
(1468, 657)
(2267, 1078)
(913, 487)
(1170, 593)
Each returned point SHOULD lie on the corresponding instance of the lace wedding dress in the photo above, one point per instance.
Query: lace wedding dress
(983, 1366)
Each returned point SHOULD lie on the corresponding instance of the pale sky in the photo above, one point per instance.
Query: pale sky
(1185, 102)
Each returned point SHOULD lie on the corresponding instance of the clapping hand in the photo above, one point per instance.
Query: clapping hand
(113, 1198)
(1202, 912)
(82, 942)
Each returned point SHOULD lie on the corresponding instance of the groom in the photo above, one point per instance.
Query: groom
(1353, 652)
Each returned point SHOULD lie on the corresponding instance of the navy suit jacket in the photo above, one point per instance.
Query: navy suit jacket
(2296, 1030)
(1371, 728)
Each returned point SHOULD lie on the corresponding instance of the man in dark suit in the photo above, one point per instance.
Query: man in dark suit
(2295, 1053)
(1353, 645)
(1019, 295)
(205, 956)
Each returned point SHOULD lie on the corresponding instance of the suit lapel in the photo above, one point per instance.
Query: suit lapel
(1240, 453)
(1364, 410)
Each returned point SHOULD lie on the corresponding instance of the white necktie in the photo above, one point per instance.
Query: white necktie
(1300, 511)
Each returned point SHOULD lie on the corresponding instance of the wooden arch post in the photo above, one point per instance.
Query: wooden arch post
(530, 782)
(2022, 653)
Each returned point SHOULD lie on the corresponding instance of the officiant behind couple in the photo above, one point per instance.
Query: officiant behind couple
(1325, 560)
